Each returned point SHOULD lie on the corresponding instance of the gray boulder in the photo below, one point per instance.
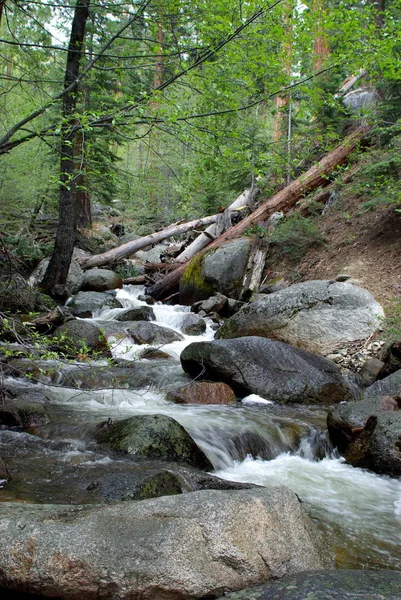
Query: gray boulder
(368, 432)
(152, 436)
(101, 280)
(183, 547)
(75, 276)
(221, 270)
(153, 482)
(141, 313)
(193, 324)
(79, 337)
(84, 304)
(162, 374)
(153, 255)
(143, 332)
(274, 370)
(389, 386)
(328, 585)
(314, 315)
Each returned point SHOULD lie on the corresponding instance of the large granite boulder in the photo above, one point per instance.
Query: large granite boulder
(101, 280)
(274, 370)
(75, 275)
(318, 316)
(328, 585)
(85, 304)
(183, 547)
(368, 432)
(220, 270)
(152, 436)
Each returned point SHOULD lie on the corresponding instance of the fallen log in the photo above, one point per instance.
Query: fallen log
(216, 229)
(132, 247)
(282, 201)
(148, 266)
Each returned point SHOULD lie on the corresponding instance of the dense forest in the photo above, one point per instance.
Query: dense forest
(170, 111)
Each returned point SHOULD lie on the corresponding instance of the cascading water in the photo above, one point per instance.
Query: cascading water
(255, 441)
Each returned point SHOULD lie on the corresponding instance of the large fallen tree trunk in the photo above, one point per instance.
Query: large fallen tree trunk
(282, 201)
(216, 229)
(154, 238)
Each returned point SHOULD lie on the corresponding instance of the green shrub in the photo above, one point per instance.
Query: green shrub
(295, 235)
(392, 323)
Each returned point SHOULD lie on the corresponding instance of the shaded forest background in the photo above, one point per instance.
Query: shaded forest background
(164, 111)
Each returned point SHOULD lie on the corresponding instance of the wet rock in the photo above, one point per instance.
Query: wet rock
(136, 486)
(23, 414)
(368, 432)
(274, 370)
(143, 332)
(389, 386)
(221, 270)
(4, 473)
(182, 547)
(154, 482)
(328, 585)
(141, 313)
(100, 280)
(162, 374)
(148, 299)
(153, 436)
(85, 304)
(193, 324)
(315, 315)
(80, 337)
(202, 392)
(391, 356)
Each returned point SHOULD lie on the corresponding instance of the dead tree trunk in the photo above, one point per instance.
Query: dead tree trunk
(132, 247)
(243, 201)
(283, 200)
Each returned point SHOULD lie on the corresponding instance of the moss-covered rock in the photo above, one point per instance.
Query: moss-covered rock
(152, 436)
(218, 270)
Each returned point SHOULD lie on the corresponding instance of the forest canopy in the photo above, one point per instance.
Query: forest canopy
(173, 108)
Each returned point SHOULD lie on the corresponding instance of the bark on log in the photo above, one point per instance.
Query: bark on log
(204, 239)
(283, 200)
(132, 247)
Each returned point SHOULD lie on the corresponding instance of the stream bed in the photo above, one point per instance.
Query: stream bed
(252, 441)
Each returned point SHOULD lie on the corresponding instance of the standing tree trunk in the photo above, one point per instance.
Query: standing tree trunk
(57, 271)
(321, 47)
(83, 216)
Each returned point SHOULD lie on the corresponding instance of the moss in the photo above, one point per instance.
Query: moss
(193, 286)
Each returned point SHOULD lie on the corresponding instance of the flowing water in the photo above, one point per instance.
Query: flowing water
(254, 441)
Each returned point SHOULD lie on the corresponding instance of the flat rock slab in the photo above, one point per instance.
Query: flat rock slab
(328, 585)
(172, 548)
